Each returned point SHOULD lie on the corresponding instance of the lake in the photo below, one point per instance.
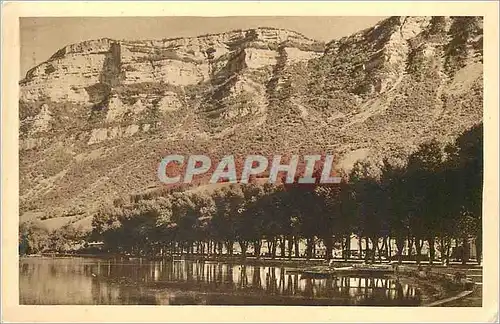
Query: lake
(117, 281)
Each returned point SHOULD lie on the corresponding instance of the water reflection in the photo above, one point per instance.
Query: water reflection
(119, 281)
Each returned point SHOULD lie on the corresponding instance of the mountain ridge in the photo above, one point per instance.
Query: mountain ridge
(97, 118)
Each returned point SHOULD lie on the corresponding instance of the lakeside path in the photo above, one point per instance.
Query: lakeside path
(473, 299)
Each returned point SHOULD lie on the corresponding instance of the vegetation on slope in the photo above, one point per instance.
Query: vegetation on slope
(334, 104)
(435, 197)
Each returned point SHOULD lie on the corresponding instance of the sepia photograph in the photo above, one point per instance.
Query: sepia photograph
(263, 160)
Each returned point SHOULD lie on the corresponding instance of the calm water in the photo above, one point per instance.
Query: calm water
(115, 281)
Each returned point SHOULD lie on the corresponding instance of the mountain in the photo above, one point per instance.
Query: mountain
(98, 116)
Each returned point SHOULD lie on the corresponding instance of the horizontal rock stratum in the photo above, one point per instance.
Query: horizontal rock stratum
(76, 71)
(98, 116)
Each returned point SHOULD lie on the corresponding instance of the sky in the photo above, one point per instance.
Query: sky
(41, 37)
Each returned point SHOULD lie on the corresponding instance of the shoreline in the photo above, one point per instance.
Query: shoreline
(439, 286)
(278, 260)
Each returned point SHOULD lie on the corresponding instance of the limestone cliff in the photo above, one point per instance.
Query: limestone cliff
(98, 116)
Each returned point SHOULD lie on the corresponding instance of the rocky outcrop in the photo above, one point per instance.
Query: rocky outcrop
(116, 81)
(102, 134)
(71, 73)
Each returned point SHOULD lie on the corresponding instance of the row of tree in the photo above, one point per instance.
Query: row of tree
(436, 197)
(35, 238)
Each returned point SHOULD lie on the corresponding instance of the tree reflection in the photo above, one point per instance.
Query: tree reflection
(256, 281)
(129, 282)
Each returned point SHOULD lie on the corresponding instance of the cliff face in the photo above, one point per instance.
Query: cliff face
(88, 72)
(137, 78)
(98, 116)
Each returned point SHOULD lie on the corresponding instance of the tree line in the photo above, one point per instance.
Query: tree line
(434, 198)
(34, 238)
